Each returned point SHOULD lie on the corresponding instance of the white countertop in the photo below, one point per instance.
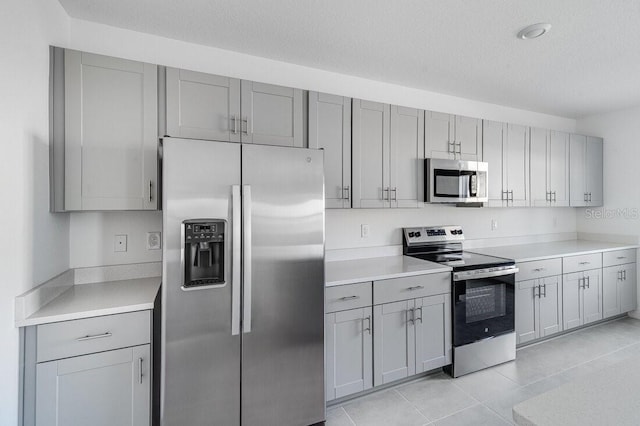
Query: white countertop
(96, 299)
(607, 397)
(539, 251)
(378, 268)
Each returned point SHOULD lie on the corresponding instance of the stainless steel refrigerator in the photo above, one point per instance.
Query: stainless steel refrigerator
(243, 285)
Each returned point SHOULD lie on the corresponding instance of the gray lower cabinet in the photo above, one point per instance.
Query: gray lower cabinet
(581, 298)
(330, 129)
(105, 132)
(349, 352)
(619, 289)
(102, 389)
(394, 342)
(206, 106)
(433, 332)
(538, 308)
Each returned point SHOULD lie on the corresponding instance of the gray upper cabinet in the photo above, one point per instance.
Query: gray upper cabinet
(212, 107)
(271, 115)
(202, 106)
(371, 154)
(102, 389)
(549, 168)
(110, 141)
(406, 157)
(388, 152)
(330, 129)
(506, 149)
(453, 137)
(349, 352)
(586, 162)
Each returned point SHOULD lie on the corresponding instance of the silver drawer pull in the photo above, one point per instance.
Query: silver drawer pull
(349, 297)
(621, 257)
(418, 287)
(95, 336)
(538, 270)
(584, 263)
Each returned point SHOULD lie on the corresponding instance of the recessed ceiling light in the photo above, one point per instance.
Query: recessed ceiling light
(534, 31)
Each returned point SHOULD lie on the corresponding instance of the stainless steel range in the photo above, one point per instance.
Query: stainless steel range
(482, 289)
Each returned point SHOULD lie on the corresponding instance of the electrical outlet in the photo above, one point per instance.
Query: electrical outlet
(154, 241)
(364, 231)
(120, 243)
(494, 224)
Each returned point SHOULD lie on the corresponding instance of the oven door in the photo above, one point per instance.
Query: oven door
(483, 305)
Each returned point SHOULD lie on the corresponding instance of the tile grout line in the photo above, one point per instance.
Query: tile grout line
(412, 405)
(353, 423)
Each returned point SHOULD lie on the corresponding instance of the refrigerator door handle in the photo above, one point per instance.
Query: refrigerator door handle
(236, 214)
(246, 258)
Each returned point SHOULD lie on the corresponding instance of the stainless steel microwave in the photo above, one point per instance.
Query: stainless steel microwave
(455, 181)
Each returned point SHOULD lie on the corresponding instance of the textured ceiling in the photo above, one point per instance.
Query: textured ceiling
(588, 63)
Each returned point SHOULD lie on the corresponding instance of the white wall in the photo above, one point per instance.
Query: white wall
(621, 133)
(341, 232)
(35, 244)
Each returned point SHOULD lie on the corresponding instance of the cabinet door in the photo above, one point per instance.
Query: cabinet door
(594, 171)
(493, 137)
(538, 163)
(433, 332)
(468, 136)
(370, 154)
(525, 310)
(611, 283)
(349, 352)
(111, 133)
(550, 306)
(330, 129)
(558, 166)
(271, 115)
(571, 300)
(394, 342)
(592, 296)
(103, 389)
(202, 106)
(406, 157)
(439, 135)
(577, 171)
(517, 165)
(628, 289)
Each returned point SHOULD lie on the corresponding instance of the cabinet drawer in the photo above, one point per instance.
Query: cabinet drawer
(618, 257)
(351, 296)
(581, 263)
(539, 269)
(79, 337)
(395, 289)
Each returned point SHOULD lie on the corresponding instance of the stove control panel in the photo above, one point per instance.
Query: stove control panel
(430, 234)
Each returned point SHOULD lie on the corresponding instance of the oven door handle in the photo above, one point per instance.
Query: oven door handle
(477, 274)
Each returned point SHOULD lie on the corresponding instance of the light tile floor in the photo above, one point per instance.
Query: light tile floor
(487, 397)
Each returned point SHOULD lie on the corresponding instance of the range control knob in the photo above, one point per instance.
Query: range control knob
(411, 234)
(417, 234)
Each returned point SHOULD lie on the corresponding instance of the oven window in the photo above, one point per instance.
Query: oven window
(482, 308)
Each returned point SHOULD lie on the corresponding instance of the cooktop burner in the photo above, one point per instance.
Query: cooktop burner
(464, 260)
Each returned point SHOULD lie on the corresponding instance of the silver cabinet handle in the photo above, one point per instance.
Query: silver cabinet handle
(507, 197)
(547, 196)
(246, 246)
(411, 320)
(150, 191)
(554, 196)
(417, 287)
(419, 319)
(511, 198)
(621, 257)
(236, 242)
(460, 148)
(544, 292)
(451, 151)
(368, 328)
(234, 127)
(619, 275)
(624, 273)
(538, 269)
(584, 263)
(385, 191)
(140, 375)
(590, 197)
(395, 194)
(93, 337)
(585, 197)
(588, 282)
(580, 282)
(346, 190)
(536, 294)
(244, 128)
(349, 297)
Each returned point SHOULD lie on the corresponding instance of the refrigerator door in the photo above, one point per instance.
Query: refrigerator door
(283, 299)
(200, 381)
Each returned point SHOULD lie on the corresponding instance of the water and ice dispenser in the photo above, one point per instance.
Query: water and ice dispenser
(203, 251)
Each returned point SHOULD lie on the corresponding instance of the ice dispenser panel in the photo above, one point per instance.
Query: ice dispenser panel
(203, 252)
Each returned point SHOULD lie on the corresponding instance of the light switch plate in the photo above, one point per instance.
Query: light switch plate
(364, 231)
(120, 243)
(154, 240)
